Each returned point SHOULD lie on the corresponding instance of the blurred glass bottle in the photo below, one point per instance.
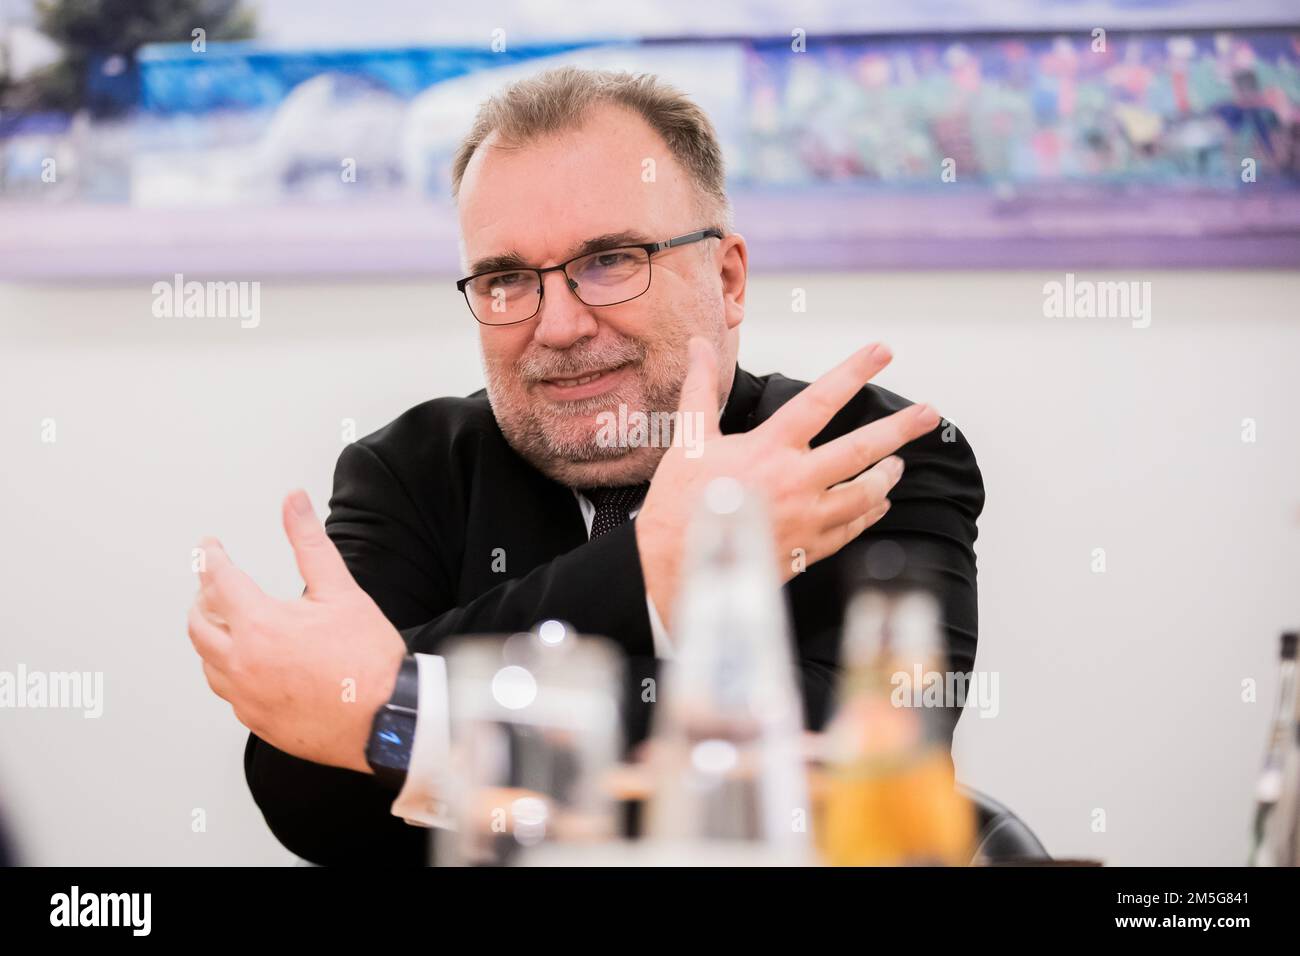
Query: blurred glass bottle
(1273, 839)
(534, 736)
(888, 795)
(730, 783)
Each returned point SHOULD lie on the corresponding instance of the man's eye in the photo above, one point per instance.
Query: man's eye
(610, 260)
(506, 280)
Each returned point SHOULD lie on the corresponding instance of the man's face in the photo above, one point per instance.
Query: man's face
(555, 379)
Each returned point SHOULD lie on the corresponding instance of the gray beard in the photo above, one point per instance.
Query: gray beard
(524, 423)
(527, 432)
(525, 426)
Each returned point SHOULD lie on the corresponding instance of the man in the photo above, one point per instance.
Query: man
(595, 287)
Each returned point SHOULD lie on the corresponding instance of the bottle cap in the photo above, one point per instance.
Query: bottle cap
(1289, 645)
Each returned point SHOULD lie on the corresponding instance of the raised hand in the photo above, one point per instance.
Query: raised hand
(818, 499)
(305, 675)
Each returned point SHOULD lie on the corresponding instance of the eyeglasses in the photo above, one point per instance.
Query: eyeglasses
(605, 277)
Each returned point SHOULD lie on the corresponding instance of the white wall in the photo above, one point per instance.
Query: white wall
(1120, 691)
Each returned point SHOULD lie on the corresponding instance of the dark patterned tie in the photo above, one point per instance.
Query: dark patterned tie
(613, 505)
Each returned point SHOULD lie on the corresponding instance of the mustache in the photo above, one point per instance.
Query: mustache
(572, 362)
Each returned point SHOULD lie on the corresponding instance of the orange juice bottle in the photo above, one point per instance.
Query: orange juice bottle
(888, 795)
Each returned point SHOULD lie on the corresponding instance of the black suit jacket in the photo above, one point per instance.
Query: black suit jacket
(421, 507)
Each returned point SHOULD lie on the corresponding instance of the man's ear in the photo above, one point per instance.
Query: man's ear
(733, 269)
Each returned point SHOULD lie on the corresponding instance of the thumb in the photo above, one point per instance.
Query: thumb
(319, 561)
(699, 396)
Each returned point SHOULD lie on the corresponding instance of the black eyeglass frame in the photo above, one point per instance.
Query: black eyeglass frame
(650, 249)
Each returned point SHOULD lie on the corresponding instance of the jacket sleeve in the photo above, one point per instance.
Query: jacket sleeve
(929, 533)
(932, 522)
(329, 815)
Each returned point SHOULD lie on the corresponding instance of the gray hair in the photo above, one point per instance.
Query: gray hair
(559, 99)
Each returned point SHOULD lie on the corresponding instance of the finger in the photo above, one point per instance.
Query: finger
(221, 685)
(319, 561)
(207, 610)
(847, 500)
(227, 591)
(801, 418)
(700, 389)
(204, 608)
(847, 455)
(836, 538)
(211, 641)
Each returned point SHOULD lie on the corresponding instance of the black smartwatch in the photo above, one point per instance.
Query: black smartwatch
(389, 749)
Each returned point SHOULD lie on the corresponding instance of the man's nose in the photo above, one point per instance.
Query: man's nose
(562, 319)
